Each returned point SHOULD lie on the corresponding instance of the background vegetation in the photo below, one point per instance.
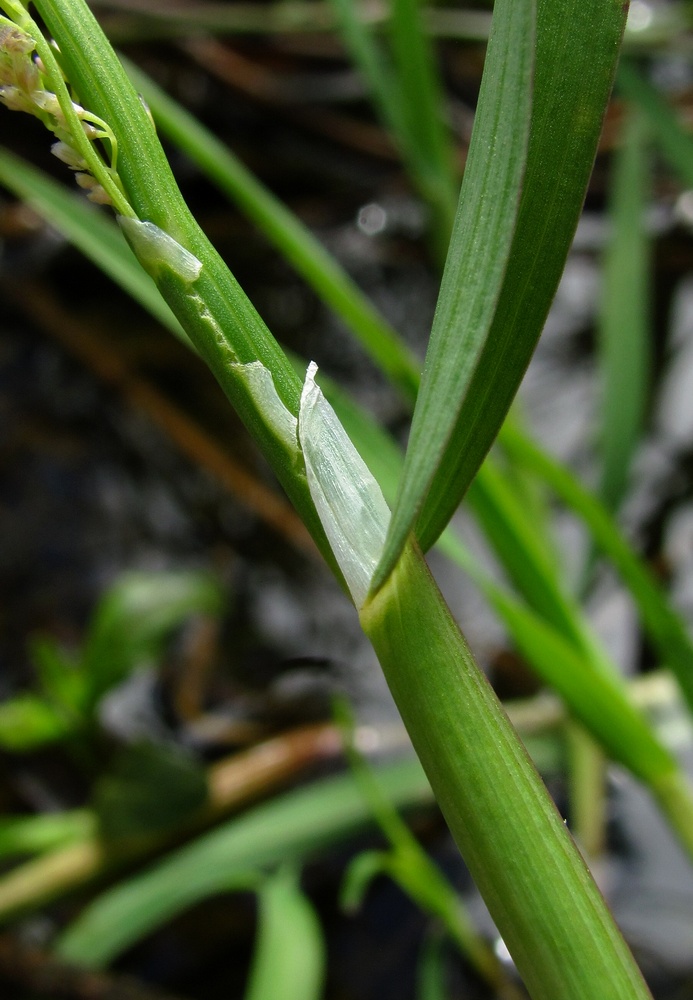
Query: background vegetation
(359, 150)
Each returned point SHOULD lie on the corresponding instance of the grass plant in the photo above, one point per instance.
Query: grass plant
(547, 79)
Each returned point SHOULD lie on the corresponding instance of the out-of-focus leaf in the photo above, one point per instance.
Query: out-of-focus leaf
(365, 867)
(136, 617)
(92, 232)
(664, 626)
(431, 980)
(289, 828)
(289, 959)
(406, 91)
(422, 100)
(28, 722)
(520, 549)
(374, 64)
(665, 128)
(36, 834)
(624, 327)
(600, 702)
(149, 788)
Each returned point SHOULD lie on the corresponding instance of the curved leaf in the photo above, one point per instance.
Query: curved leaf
(476, 263)
(460, 411)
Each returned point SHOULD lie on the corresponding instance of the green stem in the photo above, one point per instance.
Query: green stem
(221, 321)
(537, 887)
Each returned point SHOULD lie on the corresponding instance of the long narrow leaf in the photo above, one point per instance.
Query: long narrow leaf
(430, 978)
(664, 626)
(291, 827)
(476, 264)
(577, 44)
(374, 64)
(519, 550)
(84, 225)
(675, 143)
(624, 349)
(600, 702)
(422, 100)
(289, 959)
(404, 93)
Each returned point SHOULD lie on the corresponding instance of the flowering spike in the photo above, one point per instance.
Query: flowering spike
(25, 85)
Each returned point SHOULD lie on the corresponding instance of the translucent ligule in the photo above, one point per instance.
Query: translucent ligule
(347, 498)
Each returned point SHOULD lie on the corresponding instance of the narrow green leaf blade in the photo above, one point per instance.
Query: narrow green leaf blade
(600, 702)
(664, 626)
(624, 348)
(479, 252)
(289, 959)
(577, 47)
(519, 550)
(290, 827)
(374, 65)
(420, 92)
(675, 143)
(89, 230)
(431, 981)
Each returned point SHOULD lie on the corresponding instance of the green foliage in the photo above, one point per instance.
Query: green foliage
(290, 828)
(624, 339)
(540, 109)
(148, 789)
(664, 626)
(472, 280)
(407, 864)
(289, 958)
(129, 629)
(407, 93)
(463, 403)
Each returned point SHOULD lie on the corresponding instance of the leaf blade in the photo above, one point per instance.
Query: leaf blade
(624, 335)
(479, 253)
(289, 959)
(89, 230)
(577, 46)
